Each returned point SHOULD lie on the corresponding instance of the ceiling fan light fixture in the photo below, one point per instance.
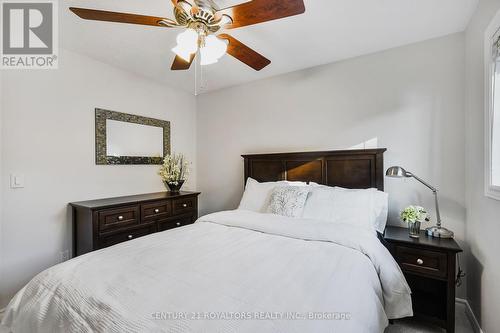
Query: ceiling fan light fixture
(187, 44)
(213, 50)
(207, 58)
(185, 55)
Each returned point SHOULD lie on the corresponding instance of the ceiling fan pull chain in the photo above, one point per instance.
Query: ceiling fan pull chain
(202, 82)
(196, 76)
(199, 82)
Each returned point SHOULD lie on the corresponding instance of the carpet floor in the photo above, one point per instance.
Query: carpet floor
(462, 324)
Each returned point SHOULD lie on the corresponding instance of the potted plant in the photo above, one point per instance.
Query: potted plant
(414, 216)
(174, 171)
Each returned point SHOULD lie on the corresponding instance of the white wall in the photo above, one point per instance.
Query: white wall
(1, 181)
(409, 99)
(48, 135)
(483, 214)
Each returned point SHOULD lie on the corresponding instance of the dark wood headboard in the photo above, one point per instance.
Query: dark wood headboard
(344, 168)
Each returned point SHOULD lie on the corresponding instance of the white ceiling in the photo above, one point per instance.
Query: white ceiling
(329, 31)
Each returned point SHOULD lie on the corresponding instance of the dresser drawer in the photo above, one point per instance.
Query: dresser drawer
(119, 237)
(156, 210)
(176, 222)
(184, 205)
(425, 262)
(118, 217)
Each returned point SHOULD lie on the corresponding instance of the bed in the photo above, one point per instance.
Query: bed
(232, 271)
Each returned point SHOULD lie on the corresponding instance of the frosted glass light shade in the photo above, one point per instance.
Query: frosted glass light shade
(187, 44)
(206, 58)
(214, 49)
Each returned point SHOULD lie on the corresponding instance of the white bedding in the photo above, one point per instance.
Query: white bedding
(231, 264)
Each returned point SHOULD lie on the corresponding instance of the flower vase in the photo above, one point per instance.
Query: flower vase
(174, 187)
(414, 229)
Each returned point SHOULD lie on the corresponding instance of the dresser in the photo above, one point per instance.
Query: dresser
(104, 222)
(429, 266)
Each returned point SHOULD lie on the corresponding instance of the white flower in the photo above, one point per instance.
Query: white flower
(413, 214)
(175, 168)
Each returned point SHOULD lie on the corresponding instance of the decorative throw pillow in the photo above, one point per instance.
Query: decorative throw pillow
(288, 200)
(257, 195)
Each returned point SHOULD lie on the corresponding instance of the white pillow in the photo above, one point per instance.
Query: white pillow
(365, 208)
(354, 207)
(379, 203)
(293, 183)
(288, 200)
(257, 195)
(381, 209)
(319, 203)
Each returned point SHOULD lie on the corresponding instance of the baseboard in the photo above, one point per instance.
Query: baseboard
(472, 317)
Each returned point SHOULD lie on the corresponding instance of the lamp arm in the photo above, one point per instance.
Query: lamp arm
(434, 190)
(438, 215)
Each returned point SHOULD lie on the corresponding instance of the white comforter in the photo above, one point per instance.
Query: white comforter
(234, 271)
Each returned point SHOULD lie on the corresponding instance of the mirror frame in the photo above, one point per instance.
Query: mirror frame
(101, 157)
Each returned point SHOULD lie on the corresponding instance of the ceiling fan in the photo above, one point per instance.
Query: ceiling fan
(202, 20)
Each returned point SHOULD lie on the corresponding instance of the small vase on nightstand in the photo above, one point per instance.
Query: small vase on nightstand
(414, 229)
(413, 216)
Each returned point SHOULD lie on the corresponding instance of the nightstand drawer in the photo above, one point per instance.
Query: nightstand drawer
(184, 205)
(155, 210)
(118, 217)
(425, 262)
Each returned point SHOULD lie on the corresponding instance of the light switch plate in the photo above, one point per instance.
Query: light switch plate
(16, 181)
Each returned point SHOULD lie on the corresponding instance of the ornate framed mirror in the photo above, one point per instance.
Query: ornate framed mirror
(122, 138)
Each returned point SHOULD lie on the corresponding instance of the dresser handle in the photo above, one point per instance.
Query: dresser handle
(420, 261)
(184, 205)
(157, 210)
(178, 224)
(130, 236)
(120, 218)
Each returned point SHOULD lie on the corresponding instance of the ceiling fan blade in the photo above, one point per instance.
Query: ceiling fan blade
(245, 54)
(180, 64)
(258, 11)
(101, 15)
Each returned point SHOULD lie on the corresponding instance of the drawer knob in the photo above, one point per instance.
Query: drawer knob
(120, 218)
(157, 210)
(130, 236)
(420, 261)
(178, 224)
(184, 205)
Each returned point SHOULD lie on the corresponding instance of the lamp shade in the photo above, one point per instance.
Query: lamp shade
(214, 49)
(187, 44)
(397, 172)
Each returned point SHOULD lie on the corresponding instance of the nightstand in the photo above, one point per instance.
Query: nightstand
(429, 266)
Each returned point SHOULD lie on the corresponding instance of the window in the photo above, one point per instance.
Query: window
(492, 115)
(495, 121)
